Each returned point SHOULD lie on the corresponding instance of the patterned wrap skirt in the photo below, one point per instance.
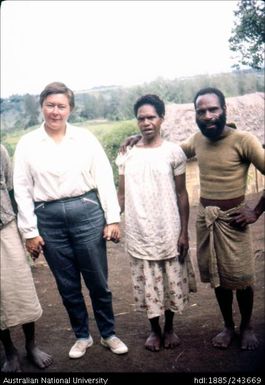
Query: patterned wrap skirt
(19, 303)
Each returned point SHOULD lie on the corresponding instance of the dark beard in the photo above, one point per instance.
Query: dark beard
(213, 133)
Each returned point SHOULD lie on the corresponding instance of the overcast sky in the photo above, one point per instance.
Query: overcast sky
(91, 43)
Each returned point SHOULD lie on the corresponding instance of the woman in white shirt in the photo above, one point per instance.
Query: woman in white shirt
(68, 208)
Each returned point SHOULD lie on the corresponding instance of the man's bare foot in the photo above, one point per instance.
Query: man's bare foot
(153, 342)
(11, 364)
(171, 340)
(41, 359)
(223, 339)
(248, 339)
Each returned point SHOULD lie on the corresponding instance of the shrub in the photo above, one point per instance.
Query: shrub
(111, 136)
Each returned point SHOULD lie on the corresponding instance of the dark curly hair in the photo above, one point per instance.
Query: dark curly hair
(210, 90)
(152, 100)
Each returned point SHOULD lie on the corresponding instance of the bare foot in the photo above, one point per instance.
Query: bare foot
(153, 342)
(11, 364)
(39, 358)
(223, 339)
(171, 340)
(248, 340)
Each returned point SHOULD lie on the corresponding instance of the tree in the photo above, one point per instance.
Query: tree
(89, 106)
(32, 110)
(248, 35)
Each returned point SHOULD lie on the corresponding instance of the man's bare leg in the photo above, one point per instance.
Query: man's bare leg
(245, 298)
(225, 300)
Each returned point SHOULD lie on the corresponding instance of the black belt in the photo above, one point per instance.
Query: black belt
(67, 199)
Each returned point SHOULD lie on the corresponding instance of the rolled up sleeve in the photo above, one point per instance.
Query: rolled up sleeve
(23, 187)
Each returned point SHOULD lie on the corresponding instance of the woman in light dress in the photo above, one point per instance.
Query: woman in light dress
(152, 192)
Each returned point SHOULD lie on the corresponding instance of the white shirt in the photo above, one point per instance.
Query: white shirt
(45, 170)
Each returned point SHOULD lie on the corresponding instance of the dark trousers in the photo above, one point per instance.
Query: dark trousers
(72, 230)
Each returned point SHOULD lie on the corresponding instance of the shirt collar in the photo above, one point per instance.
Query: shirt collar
(69, 133)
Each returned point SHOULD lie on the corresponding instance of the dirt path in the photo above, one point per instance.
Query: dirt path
(196, 326)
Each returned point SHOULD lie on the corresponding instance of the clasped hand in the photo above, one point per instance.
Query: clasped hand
(112, 232)
(34, 246)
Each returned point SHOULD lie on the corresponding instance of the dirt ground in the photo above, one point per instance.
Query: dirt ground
(201, 320)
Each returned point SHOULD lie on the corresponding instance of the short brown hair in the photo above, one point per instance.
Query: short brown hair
(57, 88)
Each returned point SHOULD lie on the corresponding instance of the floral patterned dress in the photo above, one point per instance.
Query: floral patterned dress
(152, 227)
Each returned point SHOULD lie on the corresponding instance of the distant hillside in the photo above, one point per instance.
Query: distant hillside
(98, 89)
(115, 103)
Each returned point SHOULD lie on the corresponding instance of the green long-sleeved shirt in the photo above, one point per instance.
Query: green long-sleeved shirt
(224, 164)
